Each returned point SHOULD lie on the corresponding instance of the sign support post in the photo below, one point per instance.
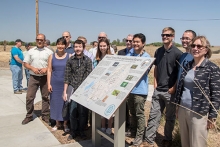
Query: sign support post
(119, 128)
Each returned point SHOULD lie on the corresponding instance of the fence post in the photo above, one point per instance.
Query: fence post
(5, 42)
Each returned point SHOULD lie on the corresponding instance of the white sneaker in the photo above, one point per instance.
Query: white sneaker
(109, 131)
(103, 129)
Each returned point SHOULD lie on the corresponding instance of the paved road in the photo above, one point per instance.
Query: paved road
(34, 134)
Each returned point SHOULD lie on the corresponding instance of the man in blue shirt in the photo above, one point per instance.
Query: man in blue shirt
(16, 67)
(138, 96)
(69, 48)
(186, 39)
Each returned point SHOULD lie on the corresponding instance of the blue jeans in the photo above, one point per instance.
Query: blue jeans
(78, 116)
(17, 77)
(27, 74)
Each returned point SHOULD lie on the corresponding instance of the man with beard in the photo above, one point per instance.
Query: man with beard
(78, 67)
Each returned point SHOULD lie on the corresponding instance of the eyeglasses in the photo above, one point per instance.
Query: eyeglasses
(167, 35)
(65, 36)
(40, 40)
(199, 47)
(101, 37)
(185, 38)
(128, 40)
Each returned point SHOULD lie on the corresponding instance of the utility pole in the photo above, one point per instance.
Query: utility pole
(37, 18)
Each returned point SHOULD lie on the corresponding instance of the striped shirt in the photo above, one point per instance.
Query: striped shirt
(38, 58)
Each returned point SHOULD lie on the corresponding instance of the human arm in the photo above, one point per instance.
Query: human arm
(214, 86)
(88, 67)
(64, 92)
(172, 90)
(49, 71)
(155, 77)
(18, 59)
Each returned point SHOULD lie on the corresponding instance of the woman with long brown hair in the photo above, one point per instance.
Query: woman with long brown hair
(102, 50)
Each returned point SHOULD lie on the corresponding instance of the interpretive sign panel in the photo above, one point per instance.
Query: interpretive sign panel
(110, 82)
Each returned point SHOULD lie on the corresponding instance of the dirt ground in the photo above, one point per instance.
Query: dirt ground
(62, 136)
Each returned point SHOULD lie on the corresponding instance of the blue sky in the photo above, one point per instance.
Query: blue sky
(18, 18)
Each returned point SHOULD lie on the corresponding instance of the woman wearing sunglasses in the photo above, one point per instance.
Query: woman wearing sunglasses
(198, 95)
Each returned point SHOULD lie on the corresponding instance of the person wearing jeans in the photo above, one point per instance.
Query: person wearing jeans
(27, 72)
(78, 67)
(16, 67)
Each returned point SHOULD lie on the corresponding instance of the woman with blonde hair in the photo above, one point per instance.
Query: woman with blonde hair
(197, 95)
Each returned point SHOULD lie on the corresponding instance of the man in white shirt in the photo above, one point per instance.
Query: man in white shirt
(100, 36)
(36, 60)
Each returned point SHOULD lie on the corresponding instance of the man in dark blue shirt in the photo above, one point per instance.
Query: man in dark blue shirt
(69, 47)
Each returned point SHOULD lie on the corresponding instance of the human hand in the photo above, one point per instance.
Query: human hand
(64, 96)
(211, 124)
(35, 70)
(43, 70)
(171, 90)
(50, 88)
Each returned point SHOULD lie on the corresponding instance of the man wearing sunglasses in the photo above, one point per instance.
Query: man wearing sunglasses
(101, 36)
(186, 40)
(165, 77)
(128, 45)
(69, 47)
(36, 61)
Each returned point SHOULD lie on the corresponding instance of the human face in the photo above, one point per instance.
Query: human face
(95, 45)
(138, 45)
(198, 50)
(78, 48)
(18, 44)
(167, 37)
(83, 40)
(186, 39)
(101, 36)
(67, 36)
(103, 47)
(60, 47)
(40, 40)
(45, 44)
(129, 42)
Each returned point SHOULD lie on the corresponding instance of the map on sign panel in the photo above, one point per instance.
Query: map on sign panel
(110, 82)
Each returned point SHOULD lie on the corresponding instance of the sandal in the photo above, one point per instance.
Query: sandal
(66, 129)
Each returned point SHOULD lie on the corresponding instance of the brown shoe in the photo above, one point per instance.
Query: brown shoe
(23, 91)
(45, 119)
(27, 120)
(146, 144)
(167, 143)
(17, 92)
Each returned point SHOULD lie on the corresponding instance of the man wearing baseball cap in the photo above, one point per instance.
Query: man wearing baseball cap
(17, 58)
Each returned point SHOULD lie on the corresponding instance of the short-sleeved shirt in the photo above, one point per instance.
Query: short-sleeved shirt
(142, 86)
(167, 67)
(38, 58)
(16, 51)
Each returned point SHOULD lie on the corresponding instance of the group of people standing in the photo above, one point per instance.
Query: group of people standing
(186, 86)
